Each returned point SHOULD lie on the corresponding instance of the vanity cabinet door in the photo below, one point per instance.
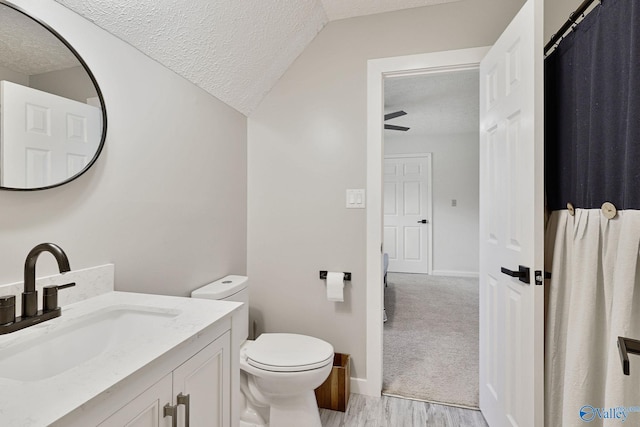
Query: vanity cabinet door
(206, 379)
(146, 410)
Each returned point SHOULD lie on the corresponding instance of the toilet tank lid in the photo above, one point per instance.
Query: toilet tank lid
(221, 288)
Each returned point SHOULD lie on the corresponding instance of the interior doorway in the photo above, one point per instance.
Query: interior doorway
(435, 137)
(378, 70)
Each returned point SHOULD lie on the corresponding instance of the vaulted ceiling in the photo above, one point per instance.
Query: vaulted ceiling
(235, 50)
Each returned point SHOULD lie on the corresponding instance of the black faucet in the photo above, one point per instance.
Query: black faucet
(30, 313)
(30, 295)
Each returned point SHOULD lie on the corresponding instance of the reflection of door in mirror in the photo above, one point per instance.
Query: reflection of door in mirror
(52, 138)
(53, 123)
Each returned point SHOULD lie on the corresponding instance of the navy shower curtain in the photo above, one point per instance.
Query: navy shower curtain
(592, 163)
(592, 111)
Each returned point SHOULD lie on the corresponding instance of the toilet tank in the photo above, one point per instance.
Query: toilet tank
(229, 288)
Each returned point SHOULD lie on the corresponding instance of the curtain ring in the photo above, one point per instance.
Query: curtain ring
(571, 209)
(609, 210)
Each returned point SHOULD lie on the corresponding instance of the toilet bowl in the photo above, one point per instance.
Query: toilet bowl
(278, 371)
(282, 371)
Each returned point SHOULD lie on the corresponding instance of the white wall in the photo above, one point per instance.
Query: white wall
(556, 12)
(72, 83)
(307, 144)
(455, 173)
(166, 201)
(12, 76)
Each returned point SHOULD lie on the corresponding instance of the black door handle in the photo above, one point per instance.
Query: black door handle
(423, 221)
(522, 274)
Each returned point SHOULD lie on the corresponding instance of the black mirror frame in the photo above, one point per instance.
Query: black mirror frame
(98, 91)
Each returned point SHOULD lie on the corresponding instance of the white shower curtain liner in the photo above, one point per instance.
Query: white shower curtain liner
(591, 300)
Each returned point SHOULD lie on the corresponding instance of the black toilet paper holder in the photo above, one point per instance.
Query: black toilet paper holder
(323, 275)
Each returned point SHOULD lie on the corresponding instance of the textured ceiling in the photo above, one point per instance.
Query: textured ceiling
(436, 104)
(28, 48)
(235, 50)
(340, 9)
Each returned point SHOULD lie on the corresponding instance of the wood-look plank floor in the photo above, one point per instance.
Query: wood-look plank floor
(387, 411)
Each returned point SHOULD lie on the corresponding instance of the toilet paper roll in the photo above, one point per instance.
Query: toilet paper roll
(335, 286)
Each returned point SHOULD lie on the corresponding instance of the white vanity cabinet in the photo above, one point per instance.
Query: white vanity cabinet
(145, 410)
(187, 347)
(203, 380)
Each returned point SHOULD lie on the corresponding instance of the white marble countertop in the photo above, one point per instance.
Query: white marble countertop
(40, 402)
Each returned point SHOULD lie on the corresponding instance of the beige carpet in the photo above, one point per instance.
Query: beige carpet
(431, 339)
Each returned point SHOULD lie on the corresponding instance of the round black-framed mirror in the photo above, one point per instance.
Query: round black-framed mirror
(53, 119)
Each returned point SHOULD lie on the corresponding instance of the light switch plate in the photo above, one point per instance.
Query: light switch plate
(356, 199)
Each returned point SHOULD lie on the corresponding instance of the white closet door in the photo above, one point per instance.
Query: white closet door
(407, 213)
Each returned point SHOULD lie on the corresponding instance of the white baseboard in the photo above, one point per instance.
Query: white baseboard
(455, 273)
(361, 386)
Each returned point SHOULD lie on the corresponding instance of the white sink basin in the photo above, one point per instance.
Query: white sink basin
(75, 342)
(97, 349)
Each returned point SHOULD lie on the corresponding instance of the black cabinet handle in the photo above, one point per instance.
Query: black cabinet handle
(522, 274)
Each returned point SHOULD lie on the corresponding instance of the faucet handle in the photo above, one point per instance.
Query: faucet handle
(50, 296)
(7, 309)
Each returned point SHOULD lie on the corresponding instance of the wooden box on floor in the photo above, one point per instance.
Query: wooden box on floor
(334, 392)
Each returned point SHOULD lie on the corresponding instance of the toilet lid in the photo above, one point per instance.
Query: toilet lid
(289, 353)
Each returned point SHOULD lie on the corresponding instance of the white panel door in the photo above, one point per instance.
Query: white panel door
(44, 138)
(511, 224)
(407, 213)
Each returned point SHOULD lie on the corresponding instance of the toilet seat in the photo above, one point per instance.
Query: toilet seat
(288, 353)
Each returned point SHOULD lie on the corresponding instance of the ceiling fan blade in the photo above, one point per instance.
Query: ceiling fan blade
(393, 127)
(394, 115)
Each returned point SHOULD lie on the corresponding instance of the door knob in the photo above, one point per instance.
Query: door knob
(423, 221)
(522, 274)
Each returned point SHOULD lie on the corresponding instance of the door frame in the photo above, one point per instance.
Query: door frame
(429, 189)
(377, 70)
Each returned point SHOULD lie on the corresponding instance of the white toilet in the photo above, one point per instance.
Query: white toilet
(278, 372)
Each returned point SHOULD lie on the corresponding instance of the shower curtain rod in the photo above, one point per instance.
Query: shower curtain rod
(573, 18)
